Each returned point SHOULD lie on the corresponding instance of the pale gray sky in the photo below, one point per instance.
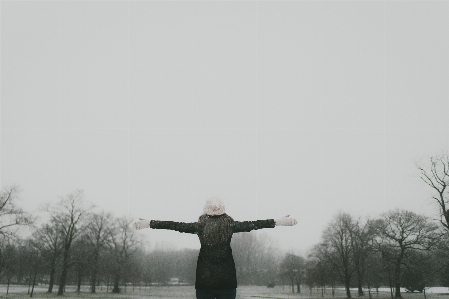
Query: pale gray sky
(279, 107)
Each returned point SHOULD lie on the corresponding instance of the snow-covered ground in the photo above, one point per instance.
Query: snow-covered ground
(429, 290)
(188, 292)
(437, 290)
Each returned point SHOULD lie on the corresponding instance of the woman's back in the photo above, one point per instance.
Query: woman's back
(215, 266)
(215, 230)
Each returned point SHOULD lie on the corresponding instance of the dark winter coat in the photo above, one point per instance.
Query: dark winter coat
(215, 266)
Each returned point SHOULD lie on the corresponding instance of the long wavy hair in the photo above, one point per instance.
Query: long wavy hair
(215, 229)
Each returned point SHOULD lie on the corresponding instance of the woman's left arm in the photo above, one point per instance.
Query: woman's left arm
(247, 226)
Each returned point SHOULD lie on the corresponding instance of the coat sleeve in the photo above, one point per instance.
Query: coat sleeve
(190, 228)
(247, 226)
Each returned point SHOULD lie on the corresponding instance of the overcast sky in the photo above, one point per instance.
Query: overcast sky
(305, 108)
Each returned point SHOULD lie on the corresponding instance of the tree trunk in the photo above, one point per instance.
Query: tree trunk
(34, 282)
(7, 287)
(298, 285)
(94, 272)
(397, 274)
(347, 286)
(359, 287)
(52, 275)
(397, 293)
(116, 288)
(359, 270)
(62, 281)
(63, 277)
(29, 284)
(93, 280)
(78, 287)
(397, 278)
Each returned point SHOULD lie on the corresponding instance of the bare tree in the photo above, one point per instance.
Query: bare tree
(362, 236)
(293, 267)
(35, 268)
(107, 267)
(69, 215)
(123, 242)
(337, 248)
(374, 275)
(148, 269)
(98, 234)
(442, 260)
(420, 271)
(9, 259)
(81, 258)
(48, 240)
(319, 273)
(11, 215)
(436, 175)
(243, 246)
(135, 266)
(27, 261)
(401, 232)
(442, 255)
(185, 264)
(23, 262)
(254, 256)
(160, 264)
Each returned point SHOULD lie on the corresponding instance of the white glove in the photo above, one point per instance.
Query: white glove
(285, 221)
(142, 223)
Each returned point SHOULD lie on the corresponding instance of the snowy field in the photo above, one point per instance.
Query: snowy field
(175, 292)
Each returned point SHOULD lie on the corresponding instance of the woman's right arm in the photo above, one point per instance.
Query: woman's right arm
(190, 228)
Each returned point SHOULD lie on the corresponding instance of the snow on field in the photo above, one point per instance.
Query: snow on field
(429, 290)
(188, 292)
(437, 290)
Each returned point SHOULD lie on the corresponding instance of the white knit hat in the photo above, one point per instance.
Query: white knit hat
(214, 206)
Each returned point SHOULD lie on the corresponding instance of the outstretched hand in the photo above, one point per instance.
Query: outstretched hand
(285, 221)
(142, 223)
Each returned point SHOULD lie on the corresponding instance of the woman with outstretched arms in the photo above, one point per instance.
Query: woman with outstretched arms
(215, 271)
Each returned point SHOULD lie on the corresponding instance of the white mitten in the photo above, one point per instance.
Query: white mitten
(142, 223)
(285, 221)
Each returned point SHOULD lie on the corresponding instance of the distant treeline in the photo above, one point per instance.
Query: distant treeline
(79, 245)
